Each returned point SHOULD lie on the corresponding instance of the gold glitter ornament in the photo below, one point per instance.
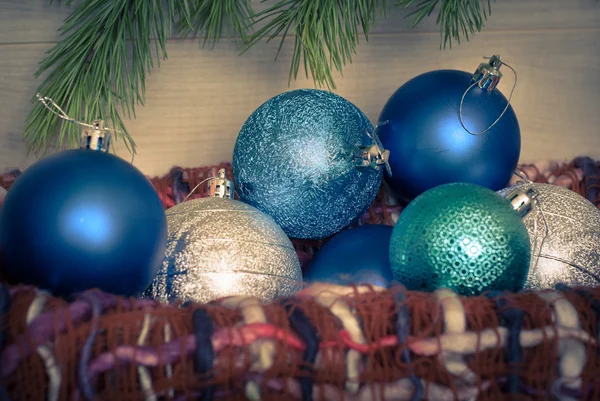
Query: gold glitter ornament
(564, 230)
(220, 247)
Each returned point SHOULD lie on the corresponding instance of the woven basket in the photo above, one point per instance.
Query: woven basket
(327, 342)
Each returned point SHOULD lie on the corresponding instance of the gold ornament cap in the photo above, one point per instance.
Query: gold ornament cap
(96, 137)
(488, 74)
(522, 199)
(220, 186)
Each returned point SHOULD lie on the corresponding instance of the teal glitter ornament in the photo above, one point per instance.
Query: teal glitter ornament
(463, 237)
(310, 160)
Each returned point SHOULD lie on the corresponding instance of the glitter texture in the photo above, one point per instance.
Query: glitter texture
(568, 252)
(294, 160)
(462, 237)
(220, 247)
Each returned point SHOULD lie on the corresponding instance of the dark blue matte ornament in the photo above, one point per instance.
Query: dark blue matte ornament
(82, 219)
(356, 256)
(308, 158)
(420, 126)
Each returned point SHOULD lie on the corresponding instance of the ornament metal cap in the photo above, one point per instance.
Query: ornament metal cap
(488, 74)
(373, 156)
(95, 137)
(220, 186)
(522, 199)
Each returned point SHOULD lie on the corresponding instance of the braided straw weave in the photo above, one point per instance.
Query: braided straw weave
(326, 342)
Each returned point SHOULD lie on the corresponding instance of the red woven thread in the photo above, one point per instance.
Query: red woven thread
(120, 325)
(8, 178)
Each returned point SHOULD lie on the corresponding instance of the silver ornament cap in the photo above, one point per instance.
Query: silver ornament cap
(564, 231)
(96, 137)
(488, 74)
(373, 156)
(220, 186)
(522, 199)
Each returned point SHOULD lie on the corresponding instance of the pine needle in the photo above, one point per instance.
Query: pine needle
(326, 32)
(456, 18)
(211, 18)
(107, 48)
(99, 68)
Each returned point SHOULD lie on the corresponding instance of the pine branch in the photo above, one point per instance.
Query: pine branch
(99, 68)
(210, 18)
(456, 18)
(92, 69)
(326, 32)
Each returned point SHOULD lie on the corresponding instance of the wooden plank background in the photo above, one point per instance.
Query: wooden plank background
(199, 98)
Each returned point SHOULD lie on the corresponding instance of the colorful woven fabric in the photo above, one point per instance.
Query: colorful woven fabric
(326, 343)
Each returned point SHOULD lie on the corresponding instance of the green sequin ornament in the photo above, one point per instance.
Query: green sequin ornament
(463, 237)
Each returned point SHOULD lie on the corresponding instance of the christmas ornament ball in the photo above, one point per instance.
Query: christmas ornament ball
(220, 247)
(296, 159)
(82, 219)
(421, 128)
(358, 256)
(564, 230)
(463, 237)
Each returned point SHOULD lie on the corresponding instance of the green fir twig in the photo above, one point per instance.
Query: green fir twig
(99, 68)
(456, 18)
(326, 32)
(210, 18)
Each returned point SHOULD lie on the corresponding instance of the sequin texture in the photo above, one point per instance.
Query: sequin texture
(294, 160)
(219, 247)
(569, 251)
(462, 237)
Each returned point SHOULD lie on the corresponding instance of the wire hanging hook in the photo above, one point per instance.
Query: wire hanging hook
(57, 110)
(521, 174)
(479, 82)
(61, 113)
(219, 180)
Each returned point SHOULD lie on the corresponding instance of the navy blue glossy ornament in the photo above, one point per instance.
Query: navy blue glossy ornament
(82, 219)
(356, 256)
(308, 159)
(421, 127)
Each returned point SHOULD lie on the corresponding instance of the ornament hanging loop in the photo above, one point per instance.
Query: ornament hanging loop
(486, 77)
(519, 173)
(96, 130)
(218, 187)
(55, 108)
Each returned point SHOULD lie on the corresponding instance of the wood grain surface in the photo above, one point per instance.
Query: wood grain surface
(199, 98)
